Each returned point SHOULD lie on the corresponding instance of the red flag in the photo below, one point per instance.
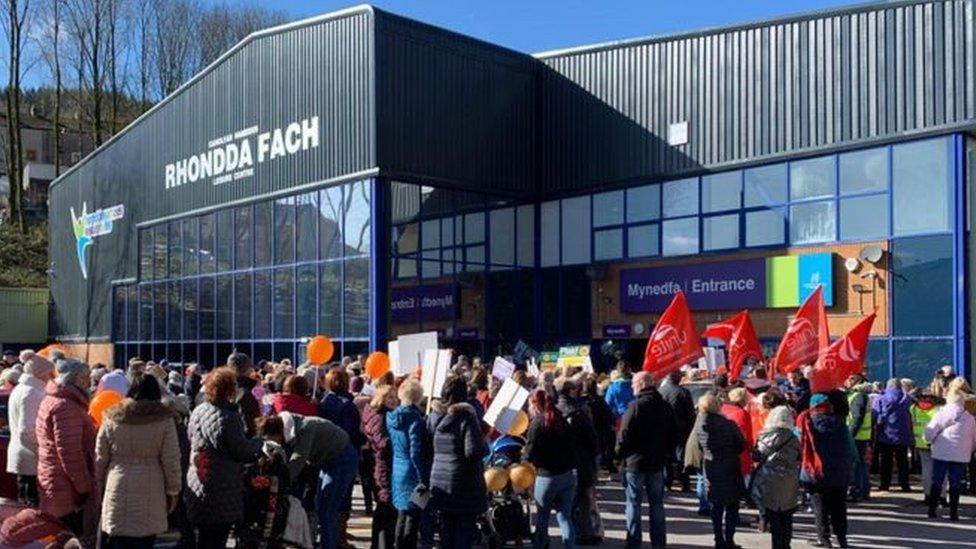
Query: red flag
(843, 358)
(806, 335)
(723, 330)
(674, 341)
(743, 344)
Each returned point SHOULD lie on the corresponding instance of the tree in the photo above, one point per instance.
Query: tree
(223, 26)
(15, 23)
(175, 37)
(48, 40)
(88, 19)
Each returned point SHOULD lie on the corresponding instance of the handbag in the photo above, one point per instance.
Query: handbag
(420, 497)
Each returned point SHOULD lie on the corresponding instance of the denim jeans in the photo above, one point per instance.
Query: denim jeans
(557, 494)
(636, 485)
(861, 480)
(334, 483)
(955, 472)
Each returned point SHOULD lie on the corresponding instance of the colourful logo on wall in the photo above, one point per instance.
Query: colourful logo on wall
(87, 226)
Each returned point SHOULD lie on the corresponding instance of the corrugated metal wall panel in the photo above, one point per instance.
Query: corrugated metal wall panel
(324, 68)
(756, 91)
(453, 110)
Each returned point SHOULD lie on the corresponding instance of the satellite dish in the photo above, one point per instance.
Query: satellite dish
(638, 328)
(871, 254)
(852, 264)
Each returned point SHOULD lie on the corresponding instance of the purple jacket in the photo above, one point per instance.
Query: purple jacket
(893, 418)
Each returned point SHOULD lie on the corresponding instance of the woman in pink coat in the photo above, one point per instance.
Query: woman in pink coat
(952, 434)
(66, 445)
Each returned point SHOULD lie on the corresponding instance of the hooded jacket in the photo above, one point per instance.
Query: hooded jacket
(683, 407)
(647, 433)
(892, 417)
(407, 432)
(378, 442)
(952, 433)
(66, 450)
(340, 409)
(137, 462)
(586, 443)
(457, 479)
(833, 444)
(22, 408)
(778, 475)
(619, 395)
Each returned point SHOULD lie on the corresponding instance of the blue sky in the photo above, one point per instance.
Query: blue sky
(539, 25)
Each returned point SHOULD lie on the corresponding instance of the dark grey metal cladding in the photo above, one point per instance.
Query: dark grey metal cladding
(322, 67)
(454, 111)
(793, 86)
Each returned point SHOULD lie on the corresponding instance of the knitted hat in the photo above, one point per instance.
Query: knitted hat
(38, 367)
(25, 355)
(69, 369)
(818, 399)
(10, 376)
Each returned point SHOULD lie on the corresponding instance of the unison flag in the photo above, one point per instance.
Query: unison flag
(674, 341)
(806, 335)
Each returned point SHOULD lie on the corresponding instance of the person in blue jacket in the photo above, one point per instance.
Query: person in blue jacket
(893, 422)
(620, 393)
(411, 466)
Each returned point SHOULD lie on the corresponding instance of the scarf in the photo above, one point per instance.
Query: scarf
(810, 465)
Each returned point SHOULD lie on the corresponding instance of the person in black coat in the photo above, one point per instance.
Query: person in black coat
(457, 482)
(827, 451)
(587, 448)
(602, 419)
(646, 444)
(246, 403)
(721, 443)
(684, 418)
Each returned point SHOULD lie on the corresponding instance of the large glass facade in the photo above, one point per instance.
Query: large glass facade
(258, 278)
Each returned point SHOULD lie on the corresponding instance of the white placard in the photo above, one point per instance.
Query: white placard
(411, 350)
(583, 362)
(502, 369)
(393, 351)
(532, 367)
(714, 357)
(368, 390)
(506, 405)
(437, 364)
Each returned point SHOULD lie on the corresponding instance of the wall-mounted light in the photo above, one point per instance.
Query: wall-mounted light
(861, 289)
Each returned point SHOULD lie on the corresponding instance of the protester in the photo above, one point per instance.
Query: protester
(219, 449)
(826, 455)
(137, 466)
(316, 445)
(797, 390)
(22, 408)
(411, 469)
(952, 434)
(550, 448)
(602, 418)
(457, 483)
(722, 444)
(923, 410)
(620, 393)
(294, 398)
(586, 446)
(647, 439)
(374, 425)
(859, 424)
(893, 421)
(777, 482)
(679, 398)
(734, 410)
(250, 408)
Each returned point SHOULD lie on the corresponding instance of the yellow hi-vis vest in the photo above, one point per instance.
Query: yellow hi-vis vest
(921, 418)
(864, 431)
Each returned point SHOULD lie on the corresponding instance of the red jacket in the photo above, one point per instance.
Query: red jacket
(740, 417)
(296, 404)
(66, 450)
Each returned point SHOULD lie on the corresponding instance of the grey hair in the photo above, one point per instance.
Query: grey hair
(893, 383)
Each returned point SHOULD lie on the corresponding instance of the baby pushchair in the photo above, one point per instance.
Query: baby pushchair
(507, 519)
(272, 519)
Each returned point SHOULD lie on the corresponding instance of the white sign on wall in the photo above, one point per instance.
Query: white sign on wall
(678, 133)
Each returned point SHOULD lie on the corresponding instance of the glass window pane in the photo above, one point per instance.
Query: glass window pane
(262, 305)
(608, 244)
(160, 300)
(225, 240)
(174, 321)
(306, 287)
(243, 243)
(680, 236)
(922, 286)
(447, 231)
(306, 230)
(145, 254)
(917, 359)
(722, 191)
(160, 247)
(576, 230)
(284, 303)
(242, 306)
(207, 312)
(643, 241)
(330, 303)
(765, 185)
(814, 222)
(284, 234)
(263, 234)
(191, 251)
(643, 203)
(406, 267)
(447, 262)
(175, 249)
(864, 171)
(225, 320)
(145, 312)
(190, 301)
(878, 363)
(525, 219)
(864, 217)
(430, 232)
(474, 228)
(814, 178)
(474, 258)
(330, 223)
(608, 209)
(921, 186)
(357, 214)
(430, 268)
(765, 227)
(721, 232)
(549, 229)
(680, 197)
(502, 223)
(132, 313)
(355, 311)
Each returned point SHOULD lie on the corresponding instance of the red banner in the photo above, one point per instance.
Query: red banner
(723, 330)
(674, 341)
(743, 344)
(805, 337)
(843, 358)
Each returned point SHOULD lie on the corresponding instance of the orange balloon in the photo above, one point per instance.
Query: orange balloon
(46, 351)
(377, 365)
(320, 350)
(520, 425)
(102, 402)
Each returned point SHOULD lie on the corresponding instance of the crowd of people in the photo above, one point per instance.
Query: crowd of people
(119, 457)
